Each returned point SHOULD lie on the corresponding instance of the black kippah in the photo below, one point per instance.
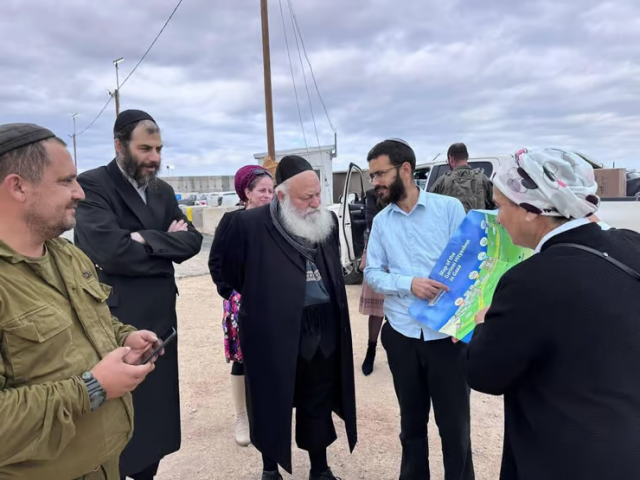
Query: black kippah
(290, 166)
(18, 135)
(129, 117)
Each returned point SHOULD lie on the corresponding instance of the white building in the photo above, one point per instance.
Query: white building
(320, 159)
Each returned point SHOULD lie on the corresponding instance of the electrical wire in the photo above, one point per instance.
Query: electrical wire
(286, 40)
(134, 68)
(304, 75)
(152, 43)
(97, 117)
(295, 20)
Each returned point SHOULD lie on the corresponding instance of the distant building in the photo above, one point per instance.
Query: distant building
(320, 159)
(206, 184)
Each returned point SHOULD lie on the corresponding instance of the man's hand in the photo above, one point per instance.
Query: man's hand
(116, 376)
(141, 343)
(136, 237)
(178, 226)
(427, 289)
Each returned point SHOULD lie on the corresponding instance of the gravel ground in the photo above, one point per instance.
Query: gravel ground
(210, 453)
(208, 449)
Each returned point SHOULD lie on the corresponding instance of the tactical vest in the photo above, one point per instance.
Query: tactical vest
(466, 185)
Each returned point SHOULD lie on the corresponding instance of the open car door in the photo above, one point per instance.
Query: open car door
(353, 224)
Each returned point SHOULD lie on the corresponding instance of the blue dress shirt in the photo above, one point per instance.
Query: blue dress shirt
(403, 246)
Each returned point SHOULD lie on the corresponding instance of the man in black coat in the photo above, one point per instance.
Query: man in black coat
(294, 321)
(561, 340)
(131, 227)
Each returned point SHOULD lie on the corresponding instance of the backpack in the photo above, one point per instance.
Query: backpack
(466, 185)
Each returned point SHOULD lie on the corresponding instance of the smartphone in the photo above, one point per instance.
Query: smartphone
(166, 339)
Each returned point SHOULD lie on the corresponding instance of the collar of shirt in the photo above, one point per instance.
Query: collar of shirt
(422, 200)
(11, 256)
(565, 227)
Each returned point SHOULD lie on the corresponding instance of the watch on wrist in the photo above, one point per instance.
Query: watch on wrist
(97, 395)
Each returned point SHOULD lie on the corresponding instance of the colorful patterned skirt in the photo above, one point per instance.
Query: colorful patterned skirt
(371, 302)
(231, 307)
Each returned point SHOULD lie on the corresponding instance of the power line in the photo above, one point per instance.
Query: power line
(304, 75)
(286, 40)
(152, 43)
(295, 20)
(134, 68)
(97, 117)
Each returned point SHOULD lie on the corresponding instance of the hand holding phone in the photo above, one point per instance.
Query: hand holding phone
(165, 339)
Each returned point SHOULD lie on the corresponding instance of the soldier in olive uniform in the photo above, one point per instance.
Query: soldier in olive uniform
(472, 187)
(66, 365)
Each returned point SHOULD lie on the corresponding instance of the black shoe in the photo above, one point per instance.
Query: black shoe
(367, 365)
(271, 475)
(326, 475)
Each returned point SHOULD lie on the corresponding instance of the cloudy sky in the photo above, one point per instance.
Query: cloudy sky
(494, 74)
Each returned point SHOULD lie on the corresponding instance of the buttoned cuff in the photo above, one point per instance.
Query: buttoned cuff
(404, 285)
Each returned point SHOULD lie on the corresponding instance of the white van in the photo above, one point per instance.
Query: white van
(623, 212)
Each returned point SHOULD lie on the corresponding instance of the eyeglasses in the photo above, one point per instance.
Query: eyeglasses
(377, 175)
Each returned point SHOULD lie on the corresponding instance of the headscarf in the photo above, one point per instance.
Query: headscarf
(549, 181)
(244, 176)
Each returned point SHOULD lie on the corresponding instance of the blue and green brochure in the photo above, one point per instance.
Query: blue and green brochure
(471, 265)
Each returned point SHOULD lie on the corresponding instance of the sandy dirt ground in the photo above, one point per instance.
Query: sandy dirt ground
(208, 448)
(209, 451)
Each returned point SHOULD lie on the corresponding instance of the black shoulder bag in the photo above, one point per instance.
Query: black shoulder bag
(604, 255)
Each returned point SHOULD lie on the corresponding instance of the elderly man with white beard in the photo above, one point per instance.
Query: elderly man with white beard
(283, 259)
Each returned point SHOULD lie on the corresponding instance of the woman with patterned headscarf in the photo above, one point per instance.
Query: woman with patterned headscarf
(561, 339)
(254, 186)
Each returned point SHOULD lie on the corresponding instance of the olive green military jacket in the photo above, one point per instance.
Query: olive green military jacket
(472, 187)
(50, 333)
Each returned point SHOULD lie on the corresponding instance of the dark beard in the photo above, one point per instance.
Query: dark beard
(134, 169)
(397, 191)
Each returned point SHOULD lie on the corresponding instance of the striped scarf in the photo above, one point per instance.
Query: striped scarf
(304, 247)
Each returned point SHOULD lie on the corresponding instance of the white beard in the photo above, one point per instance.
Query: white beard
(314, 227)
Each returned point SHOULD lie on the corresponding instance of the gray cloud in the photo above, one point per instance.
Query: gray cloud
(495, 74)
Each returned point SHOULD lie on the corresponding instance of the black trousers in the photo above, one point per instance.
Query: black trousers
(314, 400)
(426, 372)
(148, 473)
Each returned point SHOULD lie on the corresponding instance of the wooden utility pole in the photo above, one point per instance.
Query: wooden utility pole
(268, 99)
(116, 94)
(75, 151)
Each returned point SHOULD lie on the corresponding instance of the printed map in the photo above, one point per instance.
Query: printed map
(478, 254)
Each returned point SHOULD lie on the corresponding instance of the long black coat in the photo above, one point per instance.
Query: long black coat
(215, 255)
(271, 277)
(144, 291)
(561, 341)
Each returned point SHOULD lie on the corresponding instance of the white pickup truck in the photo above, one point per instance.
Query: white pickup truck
(623, 212)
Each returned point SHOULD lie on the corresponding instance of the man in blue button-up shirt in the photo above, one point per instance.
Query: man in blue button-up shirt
(406, 241)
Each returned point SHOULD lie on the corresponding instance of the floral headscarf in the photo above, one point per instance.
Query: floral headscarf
(549, 181)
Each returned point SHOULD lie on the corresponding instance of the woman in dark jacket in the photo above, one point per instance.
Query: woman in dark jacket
(371, 302)
(561, 339)
(254, 186)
